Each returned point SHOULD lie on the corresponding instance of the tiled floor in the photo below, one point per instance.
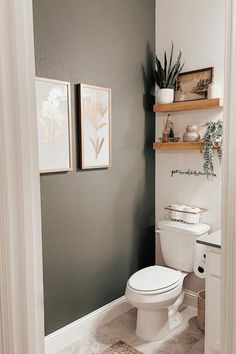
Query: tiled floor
(186, 339)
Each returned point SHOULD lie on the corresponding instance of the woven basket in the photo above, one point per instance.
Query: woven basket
(201, 310)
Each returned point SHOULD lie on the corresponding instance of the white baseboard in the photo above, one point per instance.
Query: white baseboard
(190, 298)
(77, 329)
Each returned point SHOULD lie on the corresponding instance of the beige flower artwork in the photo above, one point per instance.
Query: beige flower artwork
(51, 117)
(95, 111)
(54, 125)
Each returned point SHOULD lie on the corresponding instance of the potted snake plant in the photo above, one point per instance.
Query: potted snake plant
(166, 75)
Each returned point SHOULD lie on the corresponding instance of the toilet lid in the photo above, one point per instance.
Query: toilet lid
(154, 278)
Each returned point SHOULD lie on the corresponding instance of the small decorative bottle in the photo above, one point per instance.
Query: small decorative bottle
(171, 133)
(165, 135)
(168, 130)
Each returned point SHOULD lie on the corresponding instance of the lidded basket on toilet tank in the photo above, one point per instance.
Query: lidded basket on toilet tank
(178, 243)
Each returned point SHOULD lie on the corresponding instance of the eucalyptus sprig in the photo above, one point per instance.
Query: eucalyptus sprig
(165, 77)
(212, 144)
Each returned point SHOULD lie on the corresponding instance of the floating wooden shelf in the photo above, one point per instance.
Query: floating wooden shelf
(188, 105)
(180, 145)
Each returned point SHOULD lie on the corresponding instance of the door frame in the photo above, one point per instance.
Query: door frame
(21, 281)
(228, 258)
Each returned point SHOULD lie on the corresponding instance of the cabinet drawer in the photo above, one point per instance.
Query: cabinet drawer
(214, 263)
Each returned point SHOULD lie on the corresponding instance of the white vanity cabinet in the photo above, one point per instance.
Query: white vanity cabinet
(212, 320)
(213, 282)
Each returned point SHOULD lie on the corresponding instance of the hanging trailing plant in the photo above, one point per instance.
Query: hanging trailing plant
(212, 146)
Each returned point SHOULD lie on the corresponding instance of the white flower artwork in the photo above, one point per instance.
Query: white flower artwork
(54, 125)
(95, 119)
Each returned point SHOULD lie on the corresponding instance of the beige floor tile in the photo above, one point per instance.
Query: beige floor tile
(146, 347)
(195, 350)
(122, 327)
(93, 343)
(99, 342)
(186, 339)
(200, 344)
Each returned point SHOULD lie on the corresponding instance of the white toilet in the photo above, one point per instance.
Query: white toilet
(157, 291)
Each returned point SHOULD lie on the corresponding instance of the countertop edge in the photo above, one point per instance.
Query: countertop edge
(210, 244)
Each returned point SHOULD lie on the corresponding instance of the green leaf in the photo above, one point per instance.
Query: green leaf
(171, 57)
(172, 75)
(165, 64)
(160, 72)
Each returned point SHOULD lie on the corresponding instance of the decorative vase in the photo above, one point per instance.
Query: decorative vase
(191, 133)
(165, 95)
(214, 90)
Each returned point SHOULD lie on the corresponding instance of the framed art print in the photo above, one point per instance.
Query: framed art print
(95, 126)
(54, 125)
(193, 85)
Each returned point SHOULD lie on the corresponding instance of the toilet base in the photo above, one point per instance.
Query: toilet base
(175, 321)
(157, 314)
(156, 325)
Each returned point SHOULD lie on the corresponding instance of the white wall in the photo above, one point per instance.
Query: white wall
(197, 28)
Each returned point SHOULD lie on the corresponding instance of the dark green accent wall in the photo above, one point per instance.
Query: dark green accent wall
(98, 225)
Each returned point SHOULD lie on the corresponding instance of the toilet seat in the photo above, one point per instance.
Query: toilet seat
(154, 280)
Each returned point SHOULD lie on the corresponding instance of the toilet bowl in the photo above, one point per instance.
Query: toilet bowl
(157, 291)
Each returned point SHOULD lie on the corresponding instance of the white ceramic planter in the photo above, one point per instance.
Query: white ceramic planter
(165, 95)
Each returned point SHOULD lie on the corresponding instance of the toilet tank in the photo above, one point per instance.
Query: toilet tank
(178, 242)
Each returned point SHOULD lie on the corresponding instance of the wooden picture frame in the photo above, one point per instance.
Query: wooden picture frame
(192, 85)
(95, 126)
(53, 102)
